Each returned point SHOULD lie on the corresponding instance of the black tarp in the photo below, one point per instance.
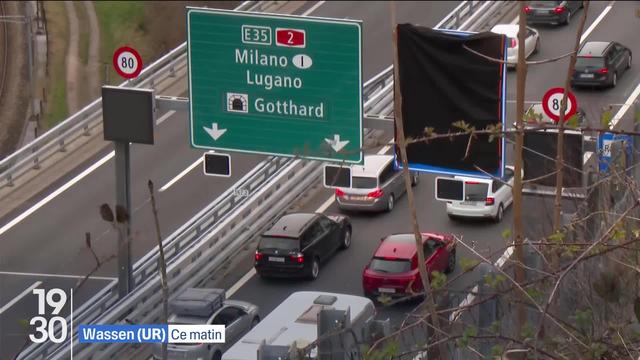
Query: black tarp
(441, 83)
(535, 166)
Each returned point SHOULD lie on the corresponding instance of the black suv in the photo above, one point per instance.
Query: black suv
(297, 243)
(551, 12)
(600, 63)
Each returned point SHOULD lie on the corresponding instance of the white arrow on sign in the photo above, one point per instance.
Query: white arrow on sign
(335, 143)
(214, 131)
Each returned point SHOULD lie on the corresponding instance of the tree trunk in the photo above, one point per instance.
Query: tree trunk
(429, 300)
(521, 69)
(163, 267)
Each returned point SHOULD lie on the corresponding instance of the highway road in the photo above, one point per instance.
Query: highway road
(48, 245)
(49, 242)
(343, 272)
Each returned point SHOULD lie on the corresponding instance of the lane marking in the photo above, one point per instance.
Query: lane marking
(181, 175)
(20, 296)
(241, 282)
(62, 276)
(469, 299)
(627, 104)
(313, 8)
(595, 23)
(165, 117)
(54, 194)
(66, 186)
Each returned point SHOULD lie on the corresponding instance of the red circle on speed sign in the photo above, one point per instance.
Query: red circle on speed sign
(551, 104)
(127, 62)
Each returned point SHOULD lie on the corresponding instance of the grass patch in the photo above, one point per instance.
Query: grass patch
(121, 23)
(56, 89)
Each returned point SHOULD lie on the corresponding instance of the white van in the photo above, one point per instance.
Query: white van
(295, 319)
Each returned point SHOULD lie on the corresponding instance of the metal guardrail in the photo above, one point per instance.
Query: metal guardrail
(85, 121)
(237, 220)
(189, 236)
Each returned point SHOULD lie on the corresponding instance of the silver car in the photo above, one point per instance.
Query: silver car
(375, 186)
(238, 317)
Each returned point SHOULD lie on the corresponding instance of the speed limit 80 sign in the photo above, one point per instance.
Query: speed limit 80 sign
(127, 62)
(551, 102)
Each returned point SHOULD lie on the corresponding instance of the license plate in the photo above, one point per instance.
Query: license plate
(586, 76)
(387, 290)
(276, 259)
(357, 197)
(473, 203)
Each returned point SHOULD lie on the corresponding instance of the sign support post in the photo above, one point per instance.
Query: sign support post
(123, 201)
(128, 116)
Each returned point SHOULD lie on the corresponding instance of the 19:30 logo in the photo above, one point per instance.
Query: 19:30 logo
(45, 329)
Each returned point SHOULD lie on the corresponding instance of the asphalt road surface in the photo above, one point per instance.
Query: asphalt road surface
(49, 243)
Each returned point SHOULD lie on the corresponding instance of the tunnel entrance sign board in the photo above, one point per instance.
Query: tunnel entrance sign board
(275, 84)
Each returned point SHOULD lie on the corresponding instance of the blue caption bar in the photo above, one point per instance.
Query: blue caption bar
(151, 333)
(123, 333)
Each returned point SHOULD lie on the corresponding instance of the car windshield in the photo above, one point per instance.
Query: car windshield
(591, 62)
(475, 191)
(280, 243)
(392, 266)
(361, 182)
(544, 4)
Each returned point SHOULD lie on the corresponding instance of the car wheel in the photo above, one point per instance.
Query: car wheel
(499, 214)
(315, 269)
(391, 202)
(217, 356)
(614, 80)
(255, 321)
(537, 48)
(346, 240)
(415, 179)
(451, 265)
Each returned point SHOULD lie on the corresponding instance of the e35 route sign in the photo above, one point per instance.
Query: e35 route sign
(275, 84)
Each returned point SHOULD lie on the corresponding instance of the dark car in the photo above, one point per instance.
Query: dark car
(393, 270)
(600, 63)
(298, 243)
(551, 12)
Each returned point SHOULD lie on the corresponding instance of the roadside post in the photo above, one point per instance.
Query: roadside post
(128, 117)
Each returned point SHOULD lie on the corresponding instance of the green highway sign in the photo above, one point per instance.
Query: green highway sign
(275, 84)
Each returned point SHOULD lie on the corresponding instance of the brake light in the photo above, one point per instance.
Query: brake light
(603, 71)
(299, 258)
(559, 10)
(258, 255)
(375, 194)
(490, 201)
(527, 9)
(513, 43)
(471, 182)
(339, 193)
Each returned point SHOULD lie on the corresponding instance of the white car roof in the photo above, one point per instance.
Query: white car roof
(372, 164)
(281, 328)
(506, 29)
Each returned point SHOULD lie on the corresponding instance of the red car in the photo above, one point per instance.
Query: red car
(393, 270)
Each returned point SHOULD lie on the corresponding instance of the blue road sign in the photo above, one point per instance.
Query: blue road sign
(605, 142)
